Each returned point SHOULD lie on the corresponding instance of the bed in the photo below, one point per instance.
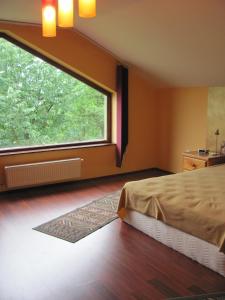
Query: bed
(185, 211)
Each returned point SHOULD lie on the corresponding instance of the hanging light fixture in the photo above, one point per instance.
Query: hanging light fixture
(65, 13)
(87, 8)
(49, 18)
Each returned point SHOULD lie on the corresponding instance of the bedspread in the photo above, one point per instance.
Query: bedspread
(193, 202)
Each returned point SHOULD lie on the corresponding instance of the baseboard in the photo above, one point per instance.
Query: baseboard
(154, 169)
(2, 188)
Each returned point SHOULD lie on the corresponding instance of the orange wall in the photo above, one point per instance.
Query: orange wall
(182, 124)
(79, 54)
(162, 123)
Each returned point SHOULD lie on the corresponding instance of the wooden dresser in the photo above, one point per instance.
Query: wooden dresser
(193, 160)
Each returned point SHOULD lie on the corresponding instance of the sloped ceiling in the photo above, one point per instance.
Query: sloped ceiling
(176, 42)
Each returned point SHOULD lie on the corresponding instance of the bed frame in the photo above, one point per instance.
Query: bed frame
(201, 251)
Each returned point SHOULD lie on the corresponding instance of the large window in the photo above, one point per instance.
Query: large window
(44, 105)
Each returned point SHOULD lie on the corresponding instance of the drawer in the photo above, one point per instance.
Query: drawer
(193, 163)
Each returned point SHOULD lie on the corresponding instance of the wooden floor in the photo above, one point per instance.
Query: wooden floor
(115, 262)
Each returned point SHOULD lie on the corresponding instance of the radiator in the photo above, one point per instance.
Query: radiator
(41, 173)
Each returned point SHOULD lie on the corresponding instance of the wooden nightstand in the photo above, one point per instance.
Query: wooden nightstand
(193, 160)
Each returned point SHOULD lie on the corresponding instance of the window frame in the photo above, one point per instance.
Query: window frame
(51, 147)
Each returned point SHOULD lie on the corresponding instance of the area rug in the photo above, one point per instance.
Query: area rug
(214, 296)
(82, 221)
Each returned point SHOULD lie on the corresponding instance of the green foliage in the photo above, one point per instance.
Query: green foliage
(40, 104)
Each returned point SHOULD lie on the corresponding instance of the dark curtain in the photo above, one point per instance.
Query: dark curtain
(122, 113)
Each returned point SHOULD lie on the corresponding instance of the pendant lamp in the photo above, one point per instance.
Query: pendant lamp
(49, 18)
(65, 13)
(87, 8)
(65, 9)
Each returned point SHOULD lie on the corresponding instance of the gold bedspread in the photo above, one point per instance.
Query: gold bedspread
(193, 202)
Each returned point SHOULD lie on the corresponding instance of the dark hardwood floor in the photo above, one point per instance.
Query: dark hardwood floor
(115, 262)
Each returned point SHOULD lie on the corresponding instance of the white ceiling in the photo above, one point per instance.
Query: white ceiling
(176, 42)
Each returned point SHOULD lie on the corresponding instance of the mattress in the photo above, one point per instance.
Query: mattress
(193, 247)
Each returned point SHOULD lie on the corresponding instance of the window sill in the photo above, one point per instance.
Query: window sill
(63, 148)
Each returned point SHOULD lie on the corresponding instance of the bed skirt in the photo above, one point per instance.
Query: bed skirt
(201, 251)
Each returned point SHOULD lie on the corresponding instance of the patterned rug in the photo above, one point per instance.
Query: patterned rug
(82, 221)
(217, 296)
